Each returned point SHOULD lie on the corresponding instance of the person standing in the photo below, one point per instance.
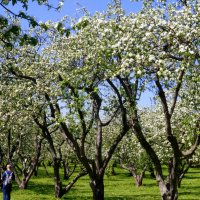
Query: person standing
(7, 178)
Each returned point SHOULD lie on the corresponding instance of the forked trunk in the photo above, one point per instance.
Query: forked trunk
(138, 178)
(23, 185)
(97, 186)
(138, 181)
(169, 190)
(170, 195)
(183, 169)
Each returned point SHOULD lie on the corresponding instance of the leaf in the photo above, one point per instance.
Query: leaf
(33, 22)
(44, 26)
(8, 45)
(33, 41)
(3, 21)
(5, 2)
(22, 15)
(15, 29)
(59, 26)
(14, 2)
(67, 32)
(26, 39)
(25, 5)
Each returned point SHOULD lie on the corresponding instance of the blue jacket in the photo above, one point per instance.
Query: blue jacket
(4, 178)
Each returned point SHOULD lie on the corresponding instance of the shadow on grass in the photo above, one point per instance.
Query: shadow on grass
(38, 188)
(194, 172)
(77, 194)
(190, 187)
(191, 177)
(134, 197)
(126, 197)
(49, 189)
(193, 195)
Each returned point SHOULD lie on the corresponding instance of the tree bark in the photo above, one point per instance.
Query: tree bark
(57, 181)
(97, 187)
(45, 168)
(183, 169)
(138, 177)
(169, 195)
(23, 184)
(113, 169)
(66, 170)
(169, 190)
(138, 181)
(68, 187)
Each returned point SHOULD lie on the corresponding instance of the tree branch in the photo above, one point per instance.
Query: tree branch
(191, 151)
(180, 78)
(111, 118)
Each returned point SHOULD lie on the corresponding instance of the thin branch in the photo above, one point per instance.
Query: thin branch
(171, 138)
(68, 187)
(175, 57)
(126, 88)
(9, 10)
(193, 148)
(23, 76)
(180, 78)
(111, 118)
(114, 145)
(117, 92)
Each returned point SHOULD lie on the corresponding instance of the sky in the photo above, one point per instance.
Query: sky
(72, 8)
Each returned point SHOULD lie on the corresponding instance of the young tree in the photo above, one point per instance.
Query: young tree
(55, 143)
(133, 158)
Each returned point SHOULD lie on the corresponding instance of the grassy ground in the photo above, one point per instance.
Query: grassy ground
(119, 187)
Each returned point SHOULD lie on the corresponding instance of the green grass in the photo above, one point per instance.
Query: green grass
(118, 187)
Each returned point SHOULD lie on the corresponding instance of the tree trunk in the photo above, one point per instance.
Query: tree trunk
(169, 190)
(23, 184)
(57, 181)
(97, 187)
(170, 195)
(151, 170)
(138, 180)
(66, 170)
(113, 169)
(36, 171)
(45, 168)
(137, 177)
(58, 188)
(183, 169)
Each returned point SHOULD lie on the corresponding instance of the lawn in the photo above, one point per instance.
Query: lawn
(118, 187)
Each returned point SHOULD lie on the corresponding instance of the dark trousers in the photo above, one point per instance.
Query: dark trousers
(6, 194)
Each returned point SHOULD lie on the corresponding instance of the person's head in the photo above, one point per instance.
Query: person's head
(9, 167)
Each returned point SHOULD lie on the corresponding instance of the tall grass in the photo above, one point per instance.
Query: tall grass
(118, 187)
